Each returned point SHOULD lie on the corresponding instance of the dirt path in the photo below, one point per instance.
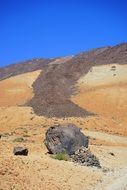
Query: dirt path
(110, 139)
(119, 183)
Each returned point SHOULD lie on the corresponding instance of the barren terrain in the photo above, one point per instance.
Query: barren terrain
(103, 91)
(89, 90)
(39, 171)
(18, 89)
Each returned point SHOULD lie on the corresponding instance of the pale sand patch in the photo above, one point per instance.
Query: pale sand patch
(104, 75)
(119, 183)
(102, 93)
(111, 139)
(61, 60)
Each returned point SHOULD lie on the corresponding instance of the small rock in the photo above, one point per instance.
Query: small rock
(111, 153)
(20, 151)
(84, 157)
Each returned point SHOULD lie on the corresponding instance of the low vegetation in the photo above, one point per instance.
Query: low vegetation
(19, 139)
(61, 156)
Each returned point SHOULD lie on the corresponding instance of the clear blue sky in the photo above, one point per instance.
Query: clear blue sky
(51, 28)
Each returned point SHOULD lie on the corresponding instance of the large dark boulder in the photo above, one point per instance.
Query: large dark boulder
(65, 138)
(20, 151)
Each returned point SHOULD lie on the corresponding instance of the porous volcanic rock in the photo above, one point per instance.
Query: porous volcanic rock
(20, 151)
(65, 138)
(84, 157)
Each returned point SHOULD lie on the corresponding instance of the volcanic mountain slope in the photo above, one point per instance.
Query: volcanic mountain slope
(56, 84)
(89, 84)
(54, 88)
(23, 67)
(92, 83)
(18, 89)
(89, 90)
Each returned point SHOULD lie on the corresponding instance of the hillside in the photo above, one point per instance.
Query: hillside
(89, 90)
(57, 84)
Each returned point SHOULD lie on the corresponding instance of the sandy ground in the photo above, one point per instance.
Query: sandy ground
(39, 171)
(103, 91)
(119, 183)
(17, 90)
(61, 60)
(12, 117)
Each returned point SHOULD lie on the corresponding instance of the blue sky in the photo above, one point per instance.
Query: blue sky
(51, 28)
